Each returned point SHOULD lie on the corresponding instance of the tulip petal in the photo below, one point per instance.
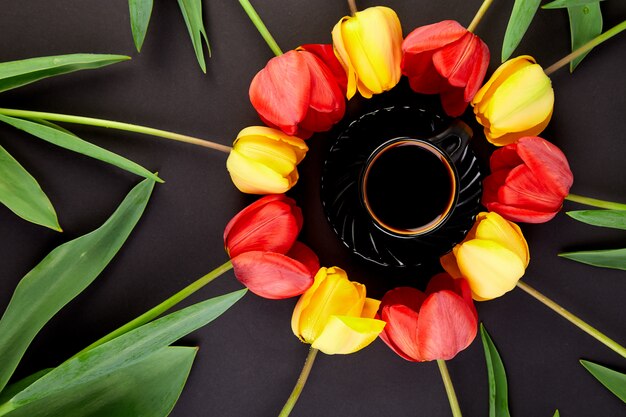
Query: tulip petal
(503, 72)
(305, 255)
(423, 77)
(446, 326)
(490, 269)
(495, 228)
(453, 101)
(455, 61)
(516, 214)
(547, 162)
(326, 54)
(449, 264)
(402, 330)
(523, 189)
(254, 178)
(297, 144)
(344, 335)
(305, 300)
(498, 139)
(444, 282)
(505, 158)
(406, 296)
(370, 308)
(271, 275)
(432, 37)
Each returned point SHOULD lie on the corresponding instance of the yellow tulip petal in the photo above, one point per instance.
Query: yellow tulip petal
(370, 308)
(276, 155)
(512, 137)
(502, 73)
(342, 54)
(298, 145)
(449, 264)
(304, 301)
(490, 269)
(344, 335)
(255, 178)
(353, 33)
(495, 228)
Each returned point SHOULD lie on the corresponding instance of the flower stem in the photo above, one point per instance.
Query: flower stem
(295, 394)
(586, 47)
(595, 202)
(479, 15)
(352, 6)
(590, 330)
(258, 23)
(89, 121)
(447, 382)
(161, 308)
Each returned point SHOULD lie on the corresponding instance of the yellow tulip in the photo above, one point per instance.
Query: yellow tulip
(334, 316)
(517, 101)
(264, 160)
(369, 46)
(492, 257)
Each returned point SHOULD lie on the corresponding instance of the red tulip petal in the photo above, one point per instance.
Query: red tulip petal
(385, 338)
(455, 60)
(305, 255)
(446, 326)
(505, 158)
(247, 211)
(480, 66)
(453, 101)
(423, 77)
(516, 214)
(281, 91)
(326, 53)
(406, 296)
(491, 186)
(402, 331)
(523, 189)
(547, 162)
(272, 275)
(440, 282)
(431, 37)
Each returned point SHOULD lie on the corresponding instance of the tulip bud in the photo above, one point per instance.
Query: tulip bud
(428, 326)
(517, 101)
(445, 58)
(528, 182)
(492, 257)
(334, 315)
(369, 46)
(298, 94)
(264, 160)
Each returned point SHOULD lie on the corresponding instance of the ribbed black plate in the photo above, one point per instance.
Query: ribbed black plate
(341, 184)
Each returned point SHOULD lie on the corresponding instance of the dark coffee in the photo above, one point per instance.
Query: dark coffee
(409, 187)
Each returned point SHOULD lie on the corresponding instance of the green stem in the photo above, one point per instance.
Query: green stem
(258, 23)
(161, 308)
(586, 47)
(89, 121)
(352, 6)
(447, 382)
(595, 202)
(590, 330)
(6, 408)
(295, 394)
(479, 15)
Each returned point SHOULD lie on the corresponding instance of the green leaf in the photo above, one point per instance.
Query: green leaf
(562, 4)
(498, 390)
(23, 195)
(556, 414)
(192, 13)
(140, 11)
(585, 23)
(521, 16)
(61, 276)
(15, 74)
(13, 389)
(148, 387)
(612, 258)
(125, 350)
(614, 381)
(76, 144)
(615, 219)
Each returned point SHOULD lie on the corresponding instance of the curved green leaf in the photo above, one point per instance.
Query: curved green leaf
(74, 143)
(615, 219)
(192, 13)
(140, 11)
(614, 381)
(61, 276)
(612, 258)
(562, 4)
(15, 74)
(556, 414)
(149, 388)
(498, 389)
(585, 23)
(521, 16)
(23, 195)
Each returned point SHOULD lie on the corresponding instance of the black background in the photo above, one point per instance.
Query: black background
(249, 359)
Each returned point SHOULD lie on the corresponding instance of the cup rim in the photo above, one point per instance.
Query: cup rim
(446, 162)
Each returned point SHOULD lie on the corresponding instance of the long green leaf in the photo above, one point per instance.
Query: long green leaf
(13, 389)
(149, 388)
(192, 13)
(61, 276)
(140, 11)
(612, 258)
(22, 194)
(125, 350)
(498, 389)
(562, 4)
(521, 16)
(585, 23)
(614, 381)
(556, 414)
(15, 74)
(74, 143)
(615, 219)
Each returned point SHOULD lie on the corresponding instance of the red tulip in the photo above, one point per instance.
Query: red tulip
(270, 224)
(445, 58)
(529, 181)
(326, 53)
(297, 93)
(427, 326)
